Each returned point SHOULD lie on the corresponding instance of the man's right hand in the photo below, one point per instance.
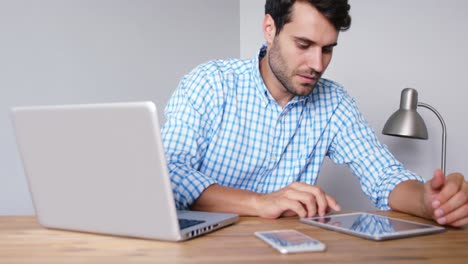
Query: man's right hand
(298, 198)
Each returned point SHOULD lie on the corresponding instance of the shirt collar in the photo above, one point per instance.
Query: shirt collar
(258, 79)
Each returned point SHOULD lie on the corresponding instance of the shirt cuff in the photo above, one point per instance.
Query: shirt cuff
(188, 185)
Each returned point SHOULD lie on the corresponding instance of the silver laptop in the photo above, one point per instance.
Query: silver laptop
(101, 168)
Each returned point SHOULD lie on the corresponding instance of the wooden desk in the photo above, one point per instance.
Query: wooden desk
(22, 240)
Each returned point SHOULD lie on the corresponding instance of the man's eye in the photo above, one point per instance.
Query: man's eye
(327, 50)
(302, 45)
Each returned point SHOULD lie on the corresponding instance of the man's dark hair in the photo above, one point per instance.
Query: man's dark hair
(336, 11)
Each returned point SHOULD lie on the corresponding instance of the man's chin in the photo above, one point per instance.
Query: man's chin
(305, 90)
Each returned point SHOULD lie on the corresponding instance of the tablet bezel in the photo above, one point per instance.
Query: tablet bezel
(428, 229)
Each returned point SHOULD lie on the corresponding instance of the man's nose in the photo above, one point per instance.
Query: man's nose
(315, 60)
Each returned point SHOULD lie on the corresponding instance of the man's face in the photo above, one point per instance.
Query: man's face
(301, 52)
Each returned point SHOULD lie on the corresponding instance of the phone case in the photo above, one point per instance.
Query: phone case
(290, 241)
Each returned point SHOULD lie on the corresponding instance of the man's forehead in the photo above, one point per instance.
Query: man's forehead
(308, 23)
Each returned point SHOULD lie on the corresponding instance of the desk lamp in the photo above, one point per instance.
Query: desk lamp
(406, 122)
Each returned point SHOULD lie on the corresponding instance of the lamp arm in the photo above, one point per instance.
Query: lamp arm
(444, 132)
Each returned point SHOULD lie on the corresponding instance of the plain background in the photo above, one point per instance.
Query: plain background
(87, 51)
(64, 51)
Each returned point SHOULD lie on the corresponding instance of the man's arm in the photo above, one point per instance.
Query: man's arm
(408, 197)
(298, 198)
(444, 200)
(356, 145)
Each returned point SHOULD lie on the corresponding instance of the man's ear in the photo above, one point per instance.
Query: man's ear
(269, 29)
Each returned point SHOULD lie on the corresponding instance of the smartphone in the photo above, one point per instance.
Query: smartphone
(290, 241)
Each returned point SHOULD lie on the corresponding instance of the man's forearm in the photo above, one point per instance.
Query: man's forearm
(408, 197)
(298, 198)
(217, 198)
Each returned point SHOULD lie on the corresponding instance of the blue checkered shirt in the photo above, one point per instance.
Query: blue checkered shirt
(224, 127)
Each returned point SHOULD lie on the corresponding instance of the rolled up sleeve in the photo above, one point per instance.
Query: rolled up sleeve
(192, 114)
(357, 146)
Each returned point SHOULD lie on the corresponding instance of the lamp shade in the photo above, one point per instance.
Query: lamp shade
(406, 121)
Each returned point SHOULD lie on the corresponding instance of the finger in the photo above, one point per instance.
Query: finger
(438, 180)
(455, 209)
(460, 222)
(301, 186)
(457, 200)
(321, 201)
(308, 200)
(271, 206)
(325, 202)
(459, 216)
(288, 213)
(317, 205)
(294, 206)
(332, 203)
(452, 185)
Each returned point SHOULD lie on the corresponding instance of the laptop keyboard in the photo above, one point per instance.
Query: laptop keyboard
(185, 223)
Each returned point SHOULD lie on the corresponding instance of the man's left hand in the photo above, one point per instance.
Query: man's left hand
(447, 199)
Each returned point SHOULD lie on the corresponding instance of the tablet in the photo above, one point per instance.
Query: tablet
(372, 226)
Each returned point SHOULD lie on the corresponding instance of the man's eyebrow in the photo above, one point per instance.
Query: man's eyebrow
(309, 41)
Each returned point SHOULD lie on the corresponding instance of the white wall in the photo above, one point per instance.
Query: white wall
(80, 51)
(84, 51)
(251, 19)
(392, 45)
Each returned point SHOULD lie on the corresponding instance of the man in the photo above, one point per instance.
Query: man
(249, 136)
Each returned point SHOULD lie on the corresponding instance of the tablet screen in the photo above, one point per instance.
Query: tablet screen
(372, 225)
